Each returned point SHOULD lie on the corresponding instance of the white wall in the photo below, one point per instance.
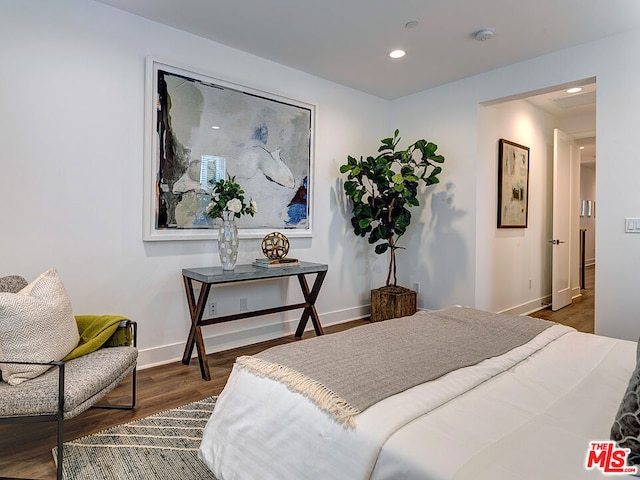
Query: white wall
(450, 114)
(71, 172)
(514, 266)
(440, 253)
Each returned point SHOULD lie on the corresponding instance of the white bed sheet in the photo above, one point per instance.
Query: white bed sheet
(532, 421)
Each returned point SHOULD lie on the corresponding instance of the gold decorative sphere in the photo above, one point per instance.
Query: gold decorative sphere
(275, 246)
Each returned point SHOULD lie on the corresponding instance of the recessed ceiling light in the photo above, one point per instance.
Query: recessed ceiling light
(581, 148)
(215, 127)
(397, 54)
(574, 90)
(411, 24)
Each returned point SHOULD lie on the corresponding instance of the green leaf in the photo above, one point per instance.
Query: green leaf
(345, 168)
(404, 218)
(398, 187)
(437, 158)
(373, 237)
(378, 233)
(381, 161)
(413, 200)
(411, 178)
(387, 144)
(350, 187)
(397, 178)
(420, 144)
(381, 248)
(364, 223)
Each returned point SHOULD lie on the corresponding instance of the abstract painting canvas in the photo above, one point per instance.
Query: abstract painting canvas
(513, 185)
(201, 130)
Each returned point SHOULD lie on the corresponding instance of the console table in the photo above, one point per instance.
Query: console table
(208, 276)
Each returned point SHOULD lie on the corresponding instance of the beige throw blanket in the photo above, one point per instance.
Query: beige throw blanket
(347, 372)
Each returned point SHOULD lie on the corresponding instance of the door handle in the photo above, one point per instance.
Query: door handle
(556, 242)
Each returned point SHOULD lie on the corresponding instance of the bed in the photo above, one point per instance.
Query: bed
(451, 394)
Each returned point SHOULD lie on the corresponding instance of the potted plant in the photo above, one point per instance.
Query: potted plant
(381, 190)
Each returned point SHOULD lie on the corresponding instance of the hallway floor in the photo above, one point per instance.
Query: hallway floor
(580, 314)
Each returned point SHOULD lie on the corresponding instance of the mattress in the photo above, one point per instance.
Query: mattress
(527, 414)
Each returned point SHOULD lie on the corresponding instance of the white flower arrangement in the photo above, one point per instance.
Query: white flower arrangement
(228, 201)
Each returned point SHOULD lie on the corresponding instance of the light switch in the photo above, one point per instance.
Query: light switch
(632, 225)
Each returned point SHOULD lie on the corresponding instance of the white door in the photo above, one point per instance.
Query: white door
(563, 152)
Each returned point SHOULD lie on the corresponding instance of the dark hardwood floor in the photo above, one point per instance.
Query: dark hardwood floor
(25, 449)
(580, 314)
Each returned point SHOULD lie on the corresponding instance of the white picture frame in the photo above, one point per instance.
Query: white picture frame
(265, 141)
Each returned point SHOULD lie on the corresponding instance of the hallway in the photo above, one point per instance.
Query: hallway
(580, 314)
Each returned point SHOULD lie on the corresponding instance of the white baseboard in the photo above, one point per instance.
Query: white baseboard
(151, 357)
(537, 304)
(529, 307)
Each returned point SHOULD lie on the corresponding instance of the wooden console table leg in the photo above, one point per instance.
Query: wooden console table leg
(196, 311)
(310, 297)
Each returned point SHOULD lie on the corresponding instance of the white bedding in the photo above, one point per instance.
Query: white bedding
(528, 414)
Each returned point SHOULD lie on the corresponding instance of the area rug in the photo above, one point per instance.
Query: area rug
(162, 446)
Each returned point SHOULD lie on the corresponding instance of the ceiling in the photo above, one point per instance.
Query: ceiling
(348, 41)
(565, 105)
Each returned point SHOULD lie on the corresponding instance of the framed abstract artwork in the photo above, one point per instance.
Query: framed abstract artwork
(201, 129)
(513, 185)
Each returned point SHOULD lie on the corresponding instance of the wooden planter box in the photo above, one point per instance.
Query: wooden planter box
(392, 302)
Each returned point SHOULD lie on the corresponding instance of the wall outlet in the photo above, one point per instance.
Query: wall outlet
(212, 308)
(243, 305)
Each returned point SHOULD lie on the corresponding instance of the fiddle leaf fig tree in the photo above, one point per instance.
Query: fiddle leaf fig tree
(383, 188)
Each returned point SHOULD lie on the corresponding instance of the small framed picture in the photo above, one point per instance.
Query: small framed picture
(513, 185)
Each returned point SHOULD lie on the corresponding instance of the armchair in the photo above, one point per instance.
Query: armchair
(70, 387)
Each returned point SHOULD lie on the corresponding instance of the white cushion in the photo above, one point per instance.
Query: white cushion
(36, 324)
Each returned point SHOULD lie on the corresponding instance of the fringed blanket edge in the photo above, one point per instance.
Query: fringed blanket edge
(339, 409)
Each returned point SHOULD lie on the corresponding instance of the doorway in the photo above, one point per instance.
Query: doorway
(514, 266)
(576, 112)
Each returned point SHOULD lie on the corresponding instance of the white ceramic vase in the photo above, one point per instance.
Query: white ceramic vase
(228, 241)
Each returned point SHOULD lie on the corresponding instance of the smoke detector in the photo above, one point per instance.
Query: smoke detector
(484, 34)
